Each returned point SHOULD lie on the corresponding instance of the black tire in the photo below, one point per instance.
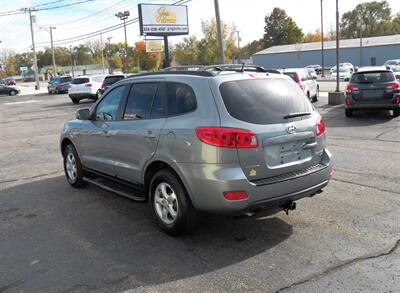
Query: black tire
(186, 219)
(348, 112)
(396, 112)
(308, 96)
(74, 181)
(315, 98)
(75, 100)
(13, 93)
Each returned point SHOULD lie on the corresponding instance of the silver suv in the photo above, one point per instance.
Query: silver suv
(200, 141)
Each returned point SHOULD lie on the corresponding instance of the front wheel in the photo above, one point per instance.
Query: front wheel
(170, 203)
(315, 98)
(73, 167)
(396, 112)
(13, 93)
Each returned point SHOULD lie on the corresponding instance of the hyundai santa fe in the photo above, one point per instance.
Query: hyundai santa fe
(227, 143)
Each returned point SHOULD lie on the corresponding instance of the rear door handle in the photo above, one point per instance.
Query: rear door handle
(308, 146)
(149, 134)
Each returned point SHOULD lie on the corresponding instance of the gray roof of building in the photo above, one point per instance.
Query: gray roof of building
(349, 43)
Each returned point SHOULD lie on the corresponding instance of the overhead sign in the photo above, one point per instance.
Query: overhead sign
(163, 20)
(23, 68)
(154, 46)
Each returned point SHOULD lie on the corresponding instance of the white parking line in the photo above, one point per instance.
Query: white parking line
(22, 102)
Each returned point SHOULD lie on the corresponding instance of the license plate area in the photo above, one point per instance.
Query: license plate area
(287, 154)
(373, 94)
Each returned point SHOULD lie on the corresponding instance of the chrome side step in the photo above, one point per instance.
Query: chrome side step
(120, 189)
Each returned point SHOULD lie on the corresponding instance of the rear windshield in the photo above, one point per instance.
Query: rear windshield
(112, 79)
(80, 80)
(263, 101)
(65, 79)
(291, 74)
(373, 77)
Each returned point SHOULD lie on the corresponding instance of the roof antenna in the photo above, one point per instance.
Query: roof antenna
(242, 70)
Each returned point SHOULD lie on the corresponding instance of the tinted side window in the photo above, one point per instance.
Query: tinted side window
(181, 98)
(139, 101)
(157, 109)
(107, 109)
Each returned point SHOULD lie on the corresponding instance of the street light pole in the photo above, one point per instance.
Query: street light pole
(52, 47)
(72, 60)
(238, 40)
(322, 41)
(337, 45)
(124, 16)
(218, 22)
(29, 10)
(109, 54)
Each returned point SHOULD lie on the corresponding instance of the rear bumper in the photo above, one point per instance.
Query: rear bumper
(207, 182)
(370, 106)
(83, 96)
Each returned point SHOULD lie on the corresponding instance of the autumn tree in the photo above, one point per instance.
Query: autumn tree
(313, 37)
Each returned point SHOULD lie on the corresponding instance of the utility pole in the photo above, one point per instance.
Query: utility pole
(109, 54)
(124, 16)
(361, 40)
(102, 53)
(337, 45)
(72, 60)
(322, 41)
(238, 40)
(29, 10)
(218, 21)
(52, 46)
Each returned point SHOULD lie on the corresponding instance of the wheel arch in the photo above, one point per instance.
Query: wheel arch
(159, 164)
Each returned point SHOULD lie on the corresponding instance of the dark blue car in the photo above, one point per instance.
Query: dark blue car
(59, 84)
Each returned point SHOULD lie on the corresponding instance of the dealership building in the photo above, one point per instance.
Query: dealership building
(374, 51)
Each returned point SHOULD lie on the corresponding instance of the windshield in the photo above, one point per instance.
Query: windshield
(66, 79)
(263, 101)
(373, 77)
(391, 62)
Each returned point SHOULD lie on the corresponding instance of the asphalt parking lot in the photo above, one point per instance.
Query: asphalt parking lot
(58, 239)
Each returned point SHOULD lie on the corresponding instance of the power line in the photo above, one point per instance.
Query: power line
(102, 31)
(105, 30)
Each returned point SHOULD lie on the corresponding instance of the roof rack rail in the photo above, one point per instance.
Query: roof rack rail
(236, 67)
(184, 68)
(181, 72)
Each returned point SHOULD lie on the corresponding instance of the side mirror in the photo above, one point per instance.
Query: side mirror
(398, 77)
(83, 114)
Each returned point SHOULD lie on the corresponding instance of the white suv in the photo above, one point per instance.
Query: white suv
(85, 87)
(306, 82)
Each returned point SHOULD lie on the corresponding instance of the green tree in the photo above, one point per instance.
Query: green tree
(252, 48)
(208, 46)
(187, 51)
(374, 17)
(281, 29)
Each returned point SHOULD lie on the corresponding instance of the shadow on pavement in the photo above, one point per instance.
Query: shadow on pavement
(56, 238)
(335, 117)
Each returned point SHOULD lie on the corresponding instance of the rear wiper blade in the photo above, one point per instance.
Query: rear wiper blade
(365, 82)
(297, 114)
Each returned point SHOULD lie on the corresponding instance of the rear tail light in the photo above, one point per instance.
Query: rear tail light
(235, 195)
(348, 102)
(61, 85)
(331, 169)
(351, 88)
(320, 126)
(88, 85)
(393, 86)
(227, 137)
(397, 100)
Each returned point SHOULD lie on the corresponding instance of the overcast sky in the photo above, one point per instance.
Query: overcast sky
(247, 15)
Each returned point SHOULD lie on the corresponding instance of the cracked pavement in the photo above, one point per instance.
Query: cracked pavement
(57, 239)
